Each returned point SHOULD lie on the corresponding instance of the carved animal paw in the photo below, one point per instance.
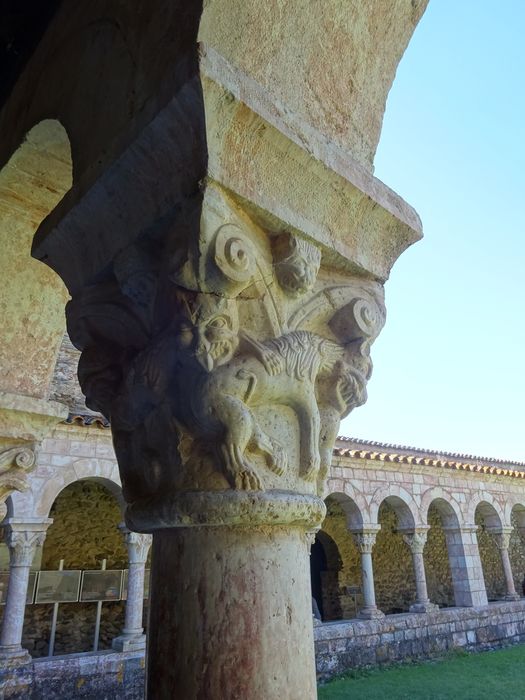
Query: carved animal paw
(278, 461)
(248, 480)
(312, 468)
(244, 475)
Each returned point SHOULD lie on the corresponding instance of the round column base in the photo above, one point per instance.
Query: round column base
(14, 656)
(370, 613)
(423, 607)
(512, 596)
(129, 642)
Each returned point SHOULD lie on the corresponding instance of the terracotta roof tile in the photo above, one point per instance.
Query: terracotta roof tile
(411, 455)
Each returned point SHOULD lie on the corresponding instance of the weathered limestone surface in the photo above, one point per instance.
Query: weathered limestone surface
(32, 298)
(24, 421)
(325, 68)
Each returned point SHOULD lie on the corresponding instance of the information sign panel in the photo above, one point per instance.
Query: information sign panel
(31, 585)
(101, 585)
(58, 586)
(125, 584)
(353, 590)
(4, 580)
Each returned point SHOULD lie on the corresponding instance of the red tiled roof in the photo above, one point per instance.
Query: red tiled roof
(384, 452)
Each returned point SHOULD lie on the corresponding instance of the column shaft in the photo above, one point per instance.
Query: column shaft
(367, 573)
(134, 603)
(14, 611)
(22, 541)
(416, 541)
(365, 541)
(503, 542)
(230, 598)
(132, 636)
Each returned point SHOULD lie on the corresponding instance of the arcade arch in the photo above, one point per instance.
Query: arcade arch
(36, 178)
(84, 531)
(489, 533)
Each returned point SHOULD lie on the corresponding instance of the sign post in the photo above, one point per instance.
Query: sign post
(54, 619)
(99, 614)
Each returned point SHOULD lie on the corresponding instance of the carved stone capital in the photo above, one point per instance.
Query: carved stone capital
(228, 363)
(365, 540)
(23, 543)
(502, 537)
(15, 463)
(138, 545)
(416, 540)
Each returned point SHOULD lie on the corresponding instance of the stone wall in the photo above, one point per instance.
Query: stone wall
(89, 676)
(341, 646)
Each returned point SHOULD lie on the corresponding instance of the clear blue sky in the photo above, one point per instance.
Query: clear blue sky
(449, 366)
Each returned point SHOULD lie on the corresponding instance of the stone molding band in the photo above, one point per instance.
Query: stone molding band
(226, 509)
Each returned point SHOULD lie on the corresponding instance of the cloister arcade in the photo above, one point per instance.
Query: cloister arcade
(71, 517)
(418, 538)
(406, 531)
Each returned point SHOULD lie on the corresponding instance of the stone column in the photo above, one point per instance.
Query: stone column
(502, 538)
(365, 540)
(465, 566)
(22, 540)
(416, 541)
(133, 636)
(236, 592)
(225, 318)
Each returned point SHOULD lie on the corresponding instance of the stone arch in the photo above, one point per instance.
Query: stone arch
(401, 502)
(443, 554)
(84, 531)
(489, 520)
(446, 505)
(38, 500)
(325, 566)
(37, 176)
(490, 510)
(517, 544)
(343, 570)
(354, 507)
(517, 514)
(487, 498)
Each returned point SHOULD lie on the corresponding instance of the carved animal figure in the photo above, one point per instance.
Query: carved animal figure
(282, 371)
(296, 265)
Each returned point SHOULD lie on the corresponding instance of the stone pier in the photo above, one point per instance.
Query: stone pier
(225, 246)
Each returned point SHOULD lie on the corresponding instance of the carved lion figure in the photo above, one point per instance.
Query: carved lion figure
(281, 371)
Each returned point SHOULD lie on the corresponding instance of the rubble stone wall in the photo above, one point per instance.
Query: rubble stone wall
(341, 646)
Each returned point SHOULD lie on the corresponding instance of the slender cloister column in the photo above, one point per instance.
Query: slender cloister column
(133, 637)
(365, 540)
(465, 566)
(502, 538)
(22, 540)
(416, 541)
